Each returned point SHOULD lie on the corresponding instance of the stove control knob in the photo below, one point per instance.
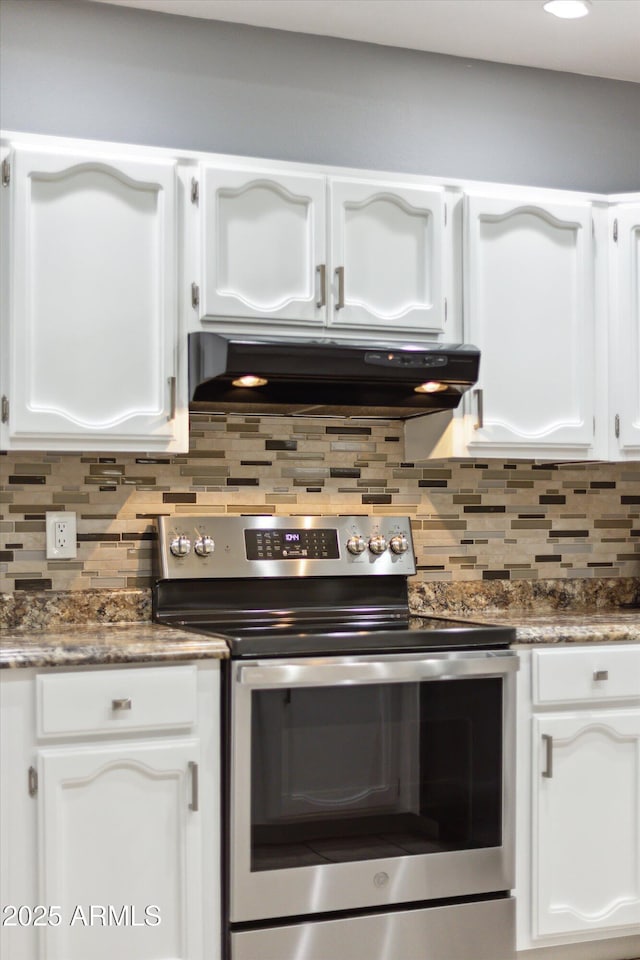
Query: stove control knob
(399, 543)
(181, 546)
(204, 546)
(356, 544)
(377, 544)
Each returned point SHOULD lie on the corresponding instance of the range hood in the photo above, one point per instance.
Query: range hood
(295, 377)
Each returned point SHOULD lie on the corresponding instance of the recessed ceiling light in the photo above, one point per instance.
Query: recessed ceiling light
(568, 9)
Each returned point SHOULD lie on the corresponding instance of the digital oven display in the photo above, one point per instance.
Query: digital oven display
(318, 544)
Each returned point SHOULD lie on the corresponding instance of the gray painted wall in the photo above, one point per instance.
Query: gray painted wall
(74, 68)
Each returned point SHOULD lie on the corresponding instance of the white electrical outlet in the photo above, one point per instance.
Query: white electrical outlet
(61, 536)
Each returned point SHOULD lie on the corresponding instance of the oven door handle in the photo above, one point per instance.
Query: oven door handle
(393, 670)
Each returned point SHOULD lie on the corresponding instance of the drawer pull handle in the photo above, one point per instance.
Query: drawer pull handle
(547, 739)
(193, 767)
(123, 704)
(600, 674)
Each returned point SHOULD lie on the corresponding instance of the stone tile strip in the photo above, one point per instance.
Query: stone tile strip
(479, 521)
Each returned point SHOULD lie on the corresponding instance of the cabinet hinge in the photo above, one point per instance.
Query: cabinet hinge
(195, 190)
(4, 415)
(195, 295)
(446, 309)
(615, 230)
(6, 172)
(594, 426)
(617, 425)
(33, 781)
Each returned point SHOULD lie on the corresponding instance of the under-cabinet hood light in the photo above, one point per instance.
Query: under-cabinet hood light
(568, 9)
(317, 377)
(250, 381)
(431, 386)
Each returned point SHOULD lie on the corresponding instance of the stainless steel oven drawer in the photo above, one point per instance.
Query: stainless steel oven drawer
(483, 930)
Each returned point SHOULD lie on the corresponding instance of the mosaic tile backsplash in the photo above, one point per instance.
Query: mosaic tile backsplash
(472, 520)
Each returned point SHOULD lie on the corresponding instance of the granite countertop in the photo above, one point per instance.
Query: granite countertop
(88, 644)
(91, 644)
(567, 626)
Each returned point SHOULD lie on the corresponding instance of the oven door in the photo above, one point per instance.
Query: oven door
(368, 781)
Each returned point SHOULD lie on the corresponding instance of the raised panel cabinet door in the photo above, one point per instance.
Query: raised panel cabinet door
(5, 246)
(120, 852)
(387, 257)
(93, 322)
(625, 319)
(262, 247)
(528, 305)
(18, 830)
(586, 827)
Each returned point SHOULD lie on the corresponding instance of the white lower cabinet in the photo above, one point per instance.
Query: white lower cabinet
(118, 846)
(110, 828)
(579, 798)
(586, 856)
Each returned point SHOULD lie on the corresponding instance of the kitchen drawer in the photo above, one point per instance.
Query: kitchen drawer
(112, 701)
(603, 672)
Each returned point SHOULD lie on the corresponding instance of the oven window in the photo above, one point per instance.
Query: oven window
(373, 771)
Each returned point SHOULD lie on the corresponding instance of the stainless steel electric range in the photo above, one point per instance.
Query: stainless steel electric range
(368, 793)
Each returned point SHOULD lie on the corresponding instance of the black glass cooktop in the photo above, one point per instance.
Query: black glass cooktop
(282, 638)
(311, 616)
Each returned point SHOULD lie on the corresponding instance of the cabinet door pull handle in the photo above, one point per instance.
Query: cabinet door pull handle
(600, 674)
(547, 739)
(172, 399)
(33, 781)
(193, 767)
(340, 276)
(479, 424)
(122, 704)
(322, 270)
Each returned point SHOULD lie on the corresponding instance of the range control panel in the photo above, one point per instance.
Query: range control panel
(292, 544)
(216, 547)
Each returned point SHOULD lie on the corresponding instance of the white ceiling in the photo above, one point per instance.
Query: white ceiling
(604, 44)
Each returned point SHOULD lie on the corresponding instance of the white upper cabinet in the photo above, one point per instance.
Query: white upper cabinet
(98, 296)
(529, 307)
(625, 331)
(387, 257)
(262, 246)
(279, 249)
(90, 346)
